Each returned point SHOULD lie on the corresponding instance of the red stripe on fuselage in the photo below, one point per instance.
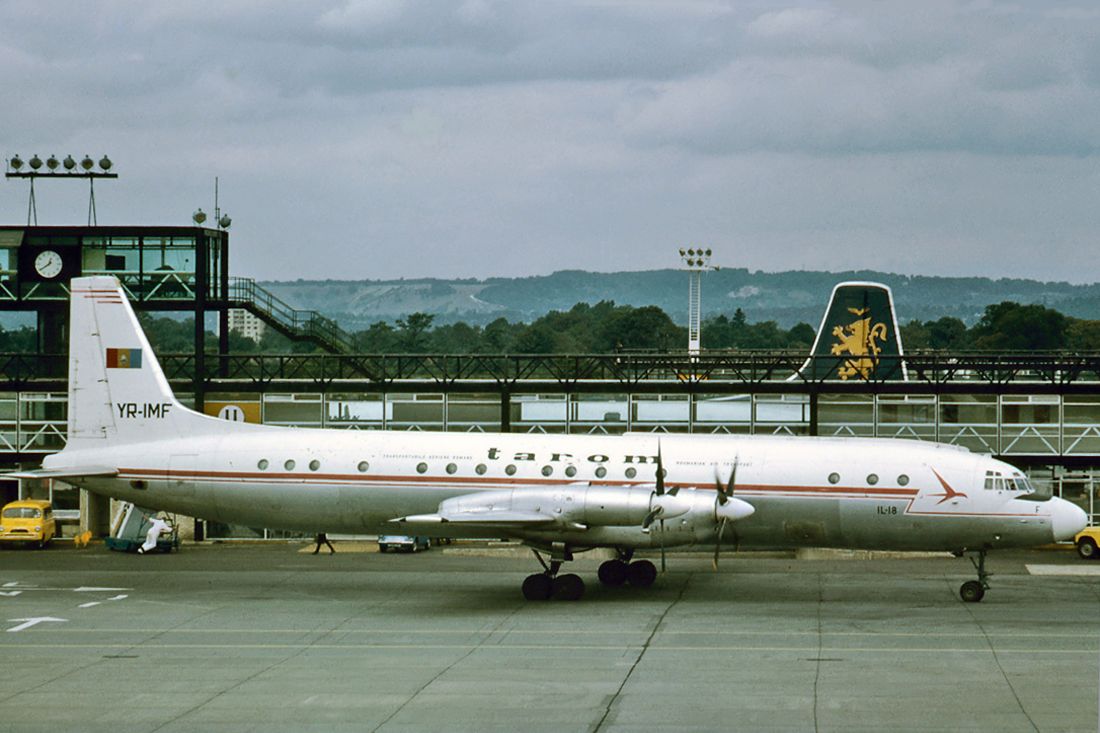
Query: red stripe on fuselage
(262, 477)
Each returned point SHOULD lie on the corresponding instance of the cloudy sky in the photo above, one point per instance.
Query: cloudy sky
(384, 139)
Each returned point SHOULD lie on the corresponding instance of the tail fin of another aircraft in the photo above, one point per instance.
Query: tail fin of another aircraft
(117, 391)
(859, 337)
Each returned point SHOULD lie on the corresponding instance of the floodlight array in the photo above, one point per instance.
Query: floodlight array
(86, 167)
(696, 258)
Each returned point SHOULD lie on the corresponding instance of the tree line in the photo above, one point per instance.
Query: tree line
(607, 328)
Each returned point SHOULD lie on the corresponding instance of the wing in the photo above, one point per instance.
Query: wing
(481, 517)
(65, 473)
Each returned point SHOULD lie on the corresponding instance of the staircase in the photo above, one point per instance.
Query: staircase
(299, 325)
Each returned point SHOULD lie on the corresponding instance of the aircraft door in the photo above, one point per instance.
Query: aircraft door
(181, 474)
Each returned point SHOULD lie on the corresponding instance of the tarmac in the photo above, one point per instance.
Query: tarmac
(261, 637)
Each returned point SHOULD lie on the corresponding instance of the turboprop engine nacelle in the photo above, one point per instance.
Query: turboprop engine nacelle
(602, 506)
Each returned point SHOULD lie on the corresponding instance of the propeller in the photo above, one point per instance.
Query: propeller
(727, 509)
(658, 510)
(660, 492)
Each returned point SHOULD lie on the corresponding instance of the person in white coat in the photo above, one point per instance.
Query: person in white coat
(157, 527)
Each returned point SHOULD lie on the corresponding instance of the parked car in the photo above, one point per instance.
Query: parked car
(1088, 543)
(27, 521)
(403, 542)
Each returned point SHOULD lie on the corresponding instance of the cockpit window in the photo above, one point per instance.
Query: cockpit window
(994, 480)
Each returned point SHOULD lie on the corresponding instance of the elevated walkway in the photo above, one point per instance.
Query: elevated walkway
(295, 324)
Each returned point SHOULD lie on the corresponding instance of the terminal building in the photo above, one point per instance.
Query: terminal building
(1040, 412)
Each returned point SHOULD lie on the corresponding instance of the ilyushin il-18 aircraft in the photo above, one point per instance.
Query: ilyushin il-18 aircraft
(129, 438)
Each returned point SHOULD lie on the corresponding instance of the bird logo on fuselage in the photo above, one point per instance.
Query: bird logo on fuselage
(949, 493)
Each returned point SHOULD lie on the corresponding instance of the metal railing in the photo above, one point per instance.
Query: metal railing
(749, 371)
(294, 323)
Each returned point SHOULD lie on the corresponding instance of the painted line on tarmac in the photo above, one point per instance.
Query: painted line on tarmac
(29, 622)
(90, 604)
(19, 587)
(582, 632)
(1063, 569)
(814, 649)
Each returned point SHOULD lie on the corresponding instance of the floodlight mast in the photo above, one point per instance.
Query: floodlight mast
(15, 170)
(222, 221)
(697, 260)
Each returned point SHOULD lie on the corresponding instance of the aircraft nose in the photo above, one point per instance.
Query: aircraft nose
(1066, 519)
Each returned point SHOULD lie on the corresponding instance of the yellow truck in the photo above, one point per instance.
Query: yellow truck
(27, 521)
(1088, 543)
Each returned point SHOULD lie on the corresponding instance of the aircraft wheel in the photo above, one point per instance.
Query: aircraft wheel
(641, 573)
(1086, 549)
(568, 587)
(971, 591)
(612, 572)
(537, 587)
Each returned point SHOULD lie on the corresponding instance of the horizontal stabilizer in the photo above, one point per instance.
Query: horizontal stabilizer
(488, 518)
(64, 473)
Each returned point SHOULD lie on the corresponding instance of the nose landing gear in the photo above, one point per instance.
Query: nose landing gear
(973, 591)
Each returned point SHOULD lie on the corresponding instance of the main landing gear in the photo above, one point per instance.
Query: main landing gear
(548, 584)
(569, 587)
(640, 573)
(973, 591)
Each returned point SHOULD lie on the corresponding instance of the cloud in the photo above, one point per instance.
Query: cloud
(484, 136)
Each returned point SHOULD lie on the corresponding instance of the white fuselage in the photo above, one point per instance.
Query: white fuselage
(828, 492)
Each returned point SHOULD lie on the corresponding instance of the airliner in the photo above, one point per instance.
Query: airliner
(130, 439)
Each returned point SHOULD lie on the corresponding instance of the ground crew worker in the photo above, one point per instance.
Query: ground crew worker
(157, 527)
(322, 539)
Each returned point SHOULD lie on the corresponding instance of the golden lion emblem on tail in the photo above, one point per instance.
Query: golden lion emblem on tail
(859, 340)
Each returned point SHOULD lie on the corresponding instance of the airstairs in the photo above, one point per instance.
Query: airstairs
(295, 324)
(129, 526)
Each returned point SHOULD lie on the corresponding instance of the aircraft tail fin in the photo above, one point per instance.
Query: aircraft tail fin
(117, 390)
(859, 337)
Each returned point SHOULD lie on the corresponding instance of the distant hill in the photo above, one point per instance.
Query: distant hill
(785, 297)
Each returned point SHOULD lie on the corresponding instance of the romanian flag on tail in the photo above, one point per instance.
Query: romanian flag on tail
(124, 358)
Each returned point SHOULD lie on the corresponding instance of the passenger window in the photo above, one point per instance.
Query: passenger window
(547, 470)
(631, 472)
(570, 471)
(363, 466)
(834, 477)
(601, 472)
(872, 478)
(481, 469)
(510, 469)
(289, 465)
(451, 468)
(421, 468)
(262, 465)
(314, 465)
(903, 480)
